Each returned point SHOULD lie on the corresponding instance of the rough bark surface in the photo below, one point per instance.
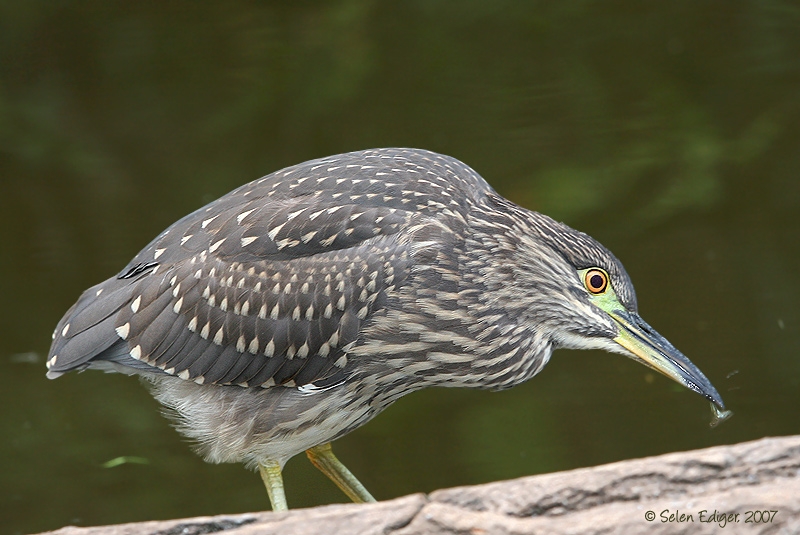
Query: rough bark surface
(733, 481)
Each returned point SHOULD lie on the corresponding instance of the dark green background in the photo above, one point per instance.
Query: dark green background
(667, 130)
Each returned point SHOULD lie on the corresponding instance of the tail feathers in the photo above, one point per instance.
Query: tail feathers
(117, 358)
(87, 330)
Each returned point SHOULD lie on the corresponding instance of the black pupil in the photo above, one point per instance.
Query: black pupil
(596, 281)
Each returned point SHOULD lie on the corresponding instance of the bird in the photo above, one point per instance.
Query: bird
(296, 308)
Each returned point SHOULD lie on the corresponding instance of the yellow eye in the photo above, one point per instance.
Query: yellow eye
(596, 281)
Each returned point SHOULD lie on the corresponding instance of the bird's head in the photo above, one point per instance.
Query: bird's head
(580, 296)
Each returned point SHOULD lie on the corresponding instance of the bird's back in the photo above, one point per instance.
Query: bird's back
(274, 282)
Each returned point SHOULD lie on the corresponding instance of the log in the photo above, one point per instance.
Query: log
(750, 488)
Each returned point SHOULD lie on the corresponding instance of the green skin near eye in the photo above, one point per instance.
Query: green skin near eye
(642, 342)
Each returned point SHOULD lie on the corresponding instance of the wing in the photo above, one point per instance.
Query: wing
(272, 283)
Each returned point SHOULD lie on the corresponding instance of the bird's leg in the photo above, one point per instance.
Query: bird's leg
(271, 474)
(323, 458)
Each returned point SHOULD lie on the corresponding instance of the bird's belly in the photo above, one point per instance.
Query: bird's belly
(236, 424)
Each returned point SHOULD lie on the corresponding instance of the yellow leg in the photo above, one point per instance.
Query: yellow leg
(323, 458)
(271, 474)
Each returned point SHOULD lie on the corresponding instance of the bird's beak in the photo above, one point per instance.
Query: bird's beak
(653, 350)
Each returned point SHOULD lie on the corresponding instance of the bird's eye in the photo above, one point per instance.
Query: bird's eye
(596, 281)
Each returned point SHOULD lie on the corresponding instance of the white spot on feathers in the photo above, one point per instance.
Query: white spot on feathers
(241, 216)
(219, 337)
(303, 351)
(215, 245)
(274, 232)
(123, 330)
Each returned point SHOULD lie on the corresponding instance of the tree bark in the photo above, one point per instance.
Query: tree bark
(749, 488)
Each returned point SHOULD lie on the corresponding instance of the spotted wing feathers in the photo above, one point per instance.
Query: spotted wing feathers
(272, 283)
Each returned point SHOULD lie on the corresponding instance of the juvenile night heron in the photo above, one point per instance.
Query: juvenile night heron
(294, 309)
